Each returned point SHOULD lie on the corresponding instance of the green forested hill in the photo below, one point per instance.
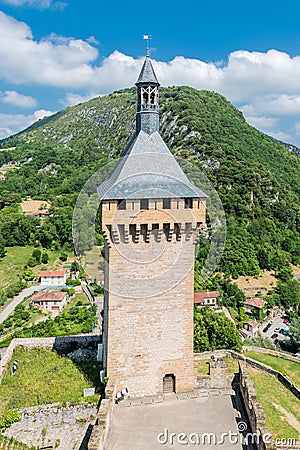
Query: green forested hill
(256, 177)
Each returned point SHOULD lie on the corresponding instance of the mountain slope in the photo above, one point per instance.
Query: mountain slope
(256, 177)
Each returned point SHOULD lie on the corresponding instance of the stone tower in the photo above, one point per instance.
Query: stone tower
(151, 215)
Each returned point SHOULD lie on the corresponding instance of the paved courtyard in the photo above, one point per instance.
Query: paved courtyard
(150, 426)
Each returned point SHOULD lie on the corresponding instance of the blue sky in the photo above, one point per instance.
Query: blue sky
(55, 53)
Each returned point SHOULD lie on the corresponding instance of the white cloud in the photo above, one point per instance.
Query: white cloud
(12, 123)
(262, 122)
(71, 63)
(280, 135)
(92, 40)
(61, 64)
(278, 104)
(39, 4)
(16, 99)
(4, 132)
(265, 85)
(72, 99)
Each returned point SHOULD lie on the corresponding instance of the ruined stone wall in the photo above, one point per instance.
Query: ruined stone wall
(59, 343)
(255, 364)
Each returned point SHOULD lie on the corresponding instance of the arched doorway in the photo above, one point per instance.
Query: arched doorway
(169, 383)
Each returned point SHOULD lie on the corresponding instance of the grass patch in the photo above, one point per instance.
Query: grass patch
(291, 369)
(269, 392)
(44, 376)
(233, 365)
(12, 444)
(12, 265)
(73, 302)
(203, 365)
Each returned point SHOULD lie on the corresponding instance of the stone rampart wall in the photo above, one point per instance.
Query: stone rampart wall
(98, 436)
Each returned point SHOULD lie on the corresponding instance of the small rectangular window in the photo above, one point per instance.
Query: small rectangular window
(188, 203)
(121, 204)
(166, 203)
(144, 203)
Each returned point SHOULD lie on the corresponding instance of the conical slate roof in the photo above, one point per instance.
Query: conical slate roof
(147, 170)
(147, 74)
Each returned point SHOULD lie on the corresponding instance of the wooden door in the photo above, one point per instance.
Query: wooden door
(169, 383)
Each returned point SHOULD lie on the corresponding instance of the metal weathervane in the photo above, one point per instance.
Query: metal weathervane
(147, 37)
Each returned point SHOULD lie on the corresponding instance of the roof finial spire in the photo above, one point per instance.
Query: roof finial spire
(147, 37)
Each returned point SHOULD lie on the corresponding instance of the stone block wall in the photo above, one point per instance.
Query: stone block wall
(98, 436)
(254, 409)
(150, 318)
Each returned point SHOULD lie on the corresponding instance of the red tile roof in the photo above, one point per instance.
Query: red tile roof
(48, 296)
(256, 302)
(52, 273)
(199, 297)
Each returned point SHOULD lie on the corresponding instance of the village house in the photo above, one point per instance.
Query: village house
(53, 301)
(251, 328)
(256, 306)
(38, 208)
(210, 299)
(53, 278)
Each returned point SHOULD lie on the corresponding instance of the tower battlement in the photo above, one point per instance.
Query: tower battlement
(164, 219)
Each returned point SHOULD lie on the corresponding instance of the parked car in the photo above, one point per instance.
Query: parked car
(271, 322)
(266, 328)
(286, 321)
(274, 336)
(297, 355)
(285, 331)
(276, 330)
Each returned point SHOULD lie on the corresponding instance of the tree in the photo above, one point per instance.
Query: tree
(215, 331)
(75, 266)
(63, 256)
(2, 248)
(285, 273)
(45, 258)
(295, 331)
(36, 253)
(289, 294)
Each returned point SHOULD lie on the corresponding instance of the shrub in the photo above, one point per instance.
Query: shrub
(36, 254)
(63, 256)
(28, 275)
(9, 417)
(45, 258)
(32, 262)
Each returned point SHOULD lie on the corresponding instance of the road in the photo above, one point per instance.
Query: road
(16, 300)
